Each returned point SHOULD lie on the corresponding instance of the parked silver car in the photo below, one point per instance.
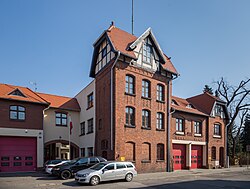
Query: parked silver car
(105, 171)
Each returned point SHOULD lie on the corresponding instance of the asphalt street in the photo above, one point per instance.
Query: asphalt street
(195, 179)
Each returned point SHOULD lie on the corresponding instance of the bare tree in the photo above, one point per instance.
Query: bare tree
(238, 103)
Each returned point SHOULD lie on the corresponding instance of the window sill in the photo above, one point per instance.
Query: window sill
(216, 136)
(197, 135)
(160, 129)
(89, 107)
(129, 126)
(160, 101)
(61, 125)
(146, 161)
(160, 160)
(179, 133)
(130, 94)
(146, 128)
(146, 98)
(17, 120)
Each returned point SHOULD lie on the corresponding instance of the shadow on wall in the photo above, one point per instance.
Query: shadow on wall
(204, 184)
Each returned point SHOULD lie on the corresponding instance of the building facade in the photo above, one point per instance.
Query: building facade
(127, 113)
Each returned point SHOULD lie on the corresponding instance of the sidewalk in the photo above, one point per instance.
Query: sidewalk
(181, 173)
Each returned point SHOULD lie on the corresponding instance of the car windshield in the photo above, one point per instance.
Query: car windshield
(73, 161)
(98, 166)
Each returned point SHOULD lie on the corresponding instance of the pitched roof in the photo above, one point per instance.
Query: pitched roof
(184, 106)
(61, 102)
(8, 92)
(205, 102)
(121, 41)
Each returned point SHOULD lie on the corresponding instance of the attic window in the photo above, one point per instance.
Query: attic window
(147, 51)
(17, 92)
(174, 102)
(190, 106)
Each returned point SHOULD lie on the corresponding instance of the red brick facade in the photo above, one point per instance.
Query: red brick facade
(33, 115)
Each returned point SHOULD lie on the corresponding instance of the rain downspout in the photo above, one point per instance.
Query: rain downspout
(111, 101)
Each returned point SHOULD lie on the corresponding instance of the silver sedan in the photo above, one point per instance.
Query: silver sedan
(106, 171)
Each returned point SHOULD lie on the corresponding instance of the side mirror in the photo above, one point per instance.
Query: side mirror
(104, 170)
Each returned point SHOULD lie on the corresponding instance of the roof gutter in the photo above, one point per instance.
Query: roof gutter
(111, 101)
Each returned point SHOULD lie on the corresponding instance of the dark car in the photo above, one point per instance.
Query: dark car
(68, 170)
(54, 162)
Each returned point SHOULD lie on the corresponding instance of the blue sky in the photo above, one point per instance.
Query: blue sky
(50, 41)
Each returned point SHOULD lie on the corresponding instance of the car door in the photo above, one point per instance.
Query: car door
(108, 172)
(121, 170)
(93, 161)
(80, 165)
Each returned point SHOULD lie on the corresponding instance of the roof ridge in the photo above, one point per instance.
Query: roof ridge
(55, 95)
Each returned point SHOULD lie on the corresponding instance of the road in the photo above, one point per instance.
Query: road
(195, 179)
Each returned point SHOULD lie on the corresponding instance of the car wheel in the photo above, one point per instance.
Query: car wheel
(94, 180)
(65, 174)
(129, 177)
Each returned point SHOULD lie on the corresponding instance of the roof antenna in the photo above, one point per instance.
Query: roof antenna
(35, 84)
(132, 17)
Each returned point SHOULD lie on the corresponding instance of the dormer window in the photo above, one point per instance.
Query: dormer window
(190, 106)
(17, 92)
(218, 111)
(147, 51)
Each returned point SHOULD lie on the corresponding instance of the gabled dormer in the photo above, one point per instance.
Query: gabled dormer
(143, 52)
(17, 92)
(148, 52)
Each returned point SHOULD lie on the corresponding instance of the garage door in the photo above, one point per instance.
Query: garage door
(17, 154)
(196, 157)
(179, 156)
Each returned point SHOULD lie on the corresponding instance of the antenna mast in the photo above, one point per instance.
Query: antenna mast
(132, 17)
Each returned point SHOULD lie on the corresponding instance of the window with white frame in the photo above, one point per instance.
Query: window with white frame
(147, 52)
(197, 127)
(179, 124)
(145, 88)
(159, 120)
(160, 92)
(146, 119)
(217, 129)
(130, 84)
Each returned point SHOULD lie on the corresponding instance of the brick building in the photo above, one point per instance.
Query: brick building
(126, 113)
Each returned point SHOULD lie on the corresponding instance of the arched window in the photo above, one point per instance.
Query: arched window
(130, 116)
(146, 88)
(146, 119)
(160, 92)
(104, 144)
(146, 152)
(217, 129)
(130, 84)
(160, 151)
(160, 120)
(213, 153)
(130, 151)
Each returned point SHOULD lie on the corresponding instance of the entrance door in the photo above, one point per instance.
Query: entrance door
(179, 156)
(196, 156)
(221, 161)
(18, 154)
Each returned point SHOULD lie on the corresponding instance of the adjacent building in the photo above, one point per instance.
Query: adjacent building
(127, 113)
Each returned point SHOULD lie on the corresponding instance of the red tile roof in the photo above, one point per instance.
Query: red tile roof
(61, 102)
(204, 102)
(30, 96)
(183, 105)
(121, 40)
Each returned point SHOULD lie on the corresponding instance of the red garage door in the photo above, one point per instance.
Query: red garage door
(179, 156)
(196, 157)
(17, 154)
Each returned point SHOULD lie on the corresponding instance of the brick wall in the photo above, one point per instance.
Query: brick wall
(33, 115)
